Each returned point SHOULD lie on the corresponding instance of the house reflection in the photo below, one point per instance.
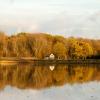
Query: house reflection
(52, 67)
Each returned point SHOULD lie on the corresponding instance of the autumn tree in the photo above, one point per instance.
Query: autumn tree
(60, 50)
(3, 44)
(79, 49)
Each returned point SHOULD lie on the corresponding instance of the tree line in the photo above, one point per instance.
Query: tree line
(41, 45)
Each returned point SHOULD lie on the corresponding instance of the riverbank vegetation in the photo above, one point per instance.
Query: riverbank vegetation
(41, 45)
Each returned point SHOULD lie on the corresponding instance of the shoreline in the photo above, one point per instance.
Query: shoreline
(15, 60)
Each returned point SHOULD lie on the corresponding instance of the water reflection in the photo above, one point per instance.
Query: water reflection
(30, 76)
(52, 67)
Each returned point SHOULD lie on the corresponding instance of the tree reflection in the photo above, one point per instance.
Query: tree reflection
(37, 77)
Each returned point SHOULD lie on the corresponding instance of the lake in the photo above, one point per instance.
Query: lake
(46, 82)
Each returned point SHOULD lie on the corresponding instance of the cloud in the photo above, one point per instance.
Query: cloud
(67, 23)
(82, 25)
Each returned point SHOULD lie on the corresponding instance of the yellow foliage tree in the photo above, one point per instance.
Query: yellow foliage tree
(79, 49)
(60, 50)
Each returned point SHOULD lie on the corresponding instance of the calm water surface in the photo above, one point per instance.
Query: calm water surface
(29, 76)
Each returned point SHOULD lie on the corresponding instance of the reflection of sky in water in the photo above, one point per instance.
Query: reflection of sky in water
(87, 91)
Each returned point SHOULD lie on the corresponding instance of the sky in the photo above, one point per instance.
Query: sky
(79, 18)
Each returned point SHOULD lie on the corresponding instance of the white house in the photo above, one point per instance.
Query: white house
(52, 56)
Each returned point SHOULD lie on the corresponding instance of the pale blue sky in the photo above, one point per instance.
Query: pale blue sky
(46, 15)
(50, 5)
